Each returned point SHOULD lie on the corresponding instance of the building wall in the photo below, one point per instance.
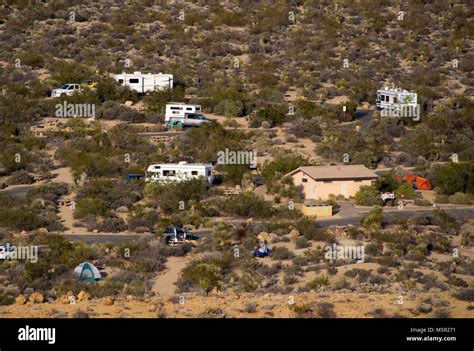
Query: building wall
(318, 190)
(316, 211)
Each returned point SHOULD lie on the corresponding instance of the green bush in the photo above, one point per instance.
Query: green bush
(374, 219)
(246, 204)
(407, 190)
(318, 282)
(229, 108)
(91, 207)
(459, 199)
(455, 177)
(367, 196)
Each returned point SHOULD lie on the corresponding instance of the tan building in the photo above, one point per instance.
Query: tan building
(319, 182)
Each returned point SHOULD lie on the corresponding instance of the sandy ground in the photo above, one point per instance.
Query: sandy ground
(346, 304)
(164, 284)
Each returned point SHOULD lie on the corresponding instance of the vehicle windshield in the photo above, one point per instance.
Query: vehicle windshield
(65, 86)
(204, 118)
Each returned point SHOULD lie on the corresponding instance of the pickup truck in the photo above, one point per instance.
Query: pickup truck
(176, 235)
(189, 120)
(66, 89)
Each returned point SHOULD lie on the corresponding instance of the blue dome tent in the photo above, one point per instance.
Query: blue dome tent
(87, 272)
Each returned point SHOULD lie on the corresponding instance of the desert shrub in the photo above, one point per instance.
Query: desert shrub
(21, 218)
(20, 177)
(246, 204)
(281, 253)
(407, 190)
(318, 282)
(455, 177)
(6, 300)
(441, 313)
(453, 280)
(49, 192)
(229, 108)
(465, 294)
(374, 219)
(442, 199)
(250, 307)
(91, 207)
(80, 314)
(306, 129)
(112, 225)
(311, 230)
(301, 242)
(422, 202)
(168, 196)
(459, 199)
(113, 110)
(301, 310)
(283, 163)
(275, 115)
(325, 310)
(367, 196)
(203, 275)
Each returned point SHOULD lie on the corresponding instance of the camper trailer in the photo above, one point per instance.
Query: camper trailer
(177, 172)
(180, 114)
(145, 83)
(394, 100)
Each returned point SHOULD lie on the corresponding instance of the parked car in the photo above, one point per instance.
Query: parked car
(5, 252)
(89, 84)
(176, 235)
(135, 176)
(66, 89)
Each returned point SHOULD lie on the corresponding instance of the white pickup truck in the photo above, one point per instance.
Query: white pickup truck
(66, 89)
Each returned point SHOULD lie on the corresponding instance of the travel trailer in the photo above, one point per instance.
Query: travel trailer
(394, 99)
(177, 172)
(145, 83)
(180, 114)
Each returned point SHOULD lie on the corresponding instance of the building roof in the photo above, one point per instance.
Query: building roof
(336, 172)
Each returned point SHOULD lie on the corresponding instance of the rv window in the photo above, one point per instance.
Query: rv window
(198, 109)
(394, 99)
(194, 172)
(176, 108)
(208, 173)
(169, 173)
(189, 108)
(387, 98)
(120, 81)
(157, 167)
(134, 80)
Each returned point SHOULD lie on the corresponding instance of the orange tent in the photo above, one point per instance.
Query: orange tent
(418, 183)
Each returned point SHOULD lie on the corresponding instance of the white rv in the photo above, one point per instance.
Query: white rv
(145, 83)
(181, 114)
(177, 172)
(394, 99)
